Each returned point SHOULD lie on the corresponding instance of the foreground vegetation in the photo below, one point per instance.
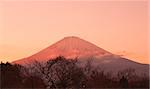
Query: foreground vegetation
(62, 73)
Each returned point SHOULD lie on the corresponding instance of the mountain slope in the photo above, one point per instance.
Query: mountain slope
(114, 64)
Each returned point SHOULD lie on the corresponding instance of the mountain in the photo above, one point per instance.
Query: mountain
(72, 47)
(69, 47)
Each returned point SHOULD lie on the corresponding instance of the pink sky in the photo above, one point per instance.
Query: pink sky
(120, 27)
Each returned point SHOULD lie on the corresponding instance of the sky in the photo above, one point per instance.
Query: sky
(120, 27)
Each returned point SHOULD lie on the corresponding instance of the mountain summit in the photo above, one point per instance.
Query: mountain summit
(69, 47)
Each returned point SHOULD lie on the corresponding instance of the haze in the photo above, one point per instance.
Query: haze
(120, 27)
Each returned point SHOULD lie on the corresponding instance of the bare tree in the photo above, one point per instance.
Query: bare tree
(67, 74)
(44, 70)
(127, 73)
(59, 73)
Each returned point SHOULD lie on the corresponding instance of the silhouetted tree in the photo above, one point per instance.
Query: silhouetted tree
(10, 76)
(60, 73)
(123, 82)
(14, 76)
(67, 73)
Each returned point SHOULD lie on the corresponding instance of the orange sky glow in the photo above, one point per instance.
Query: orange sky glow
(120, 27)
